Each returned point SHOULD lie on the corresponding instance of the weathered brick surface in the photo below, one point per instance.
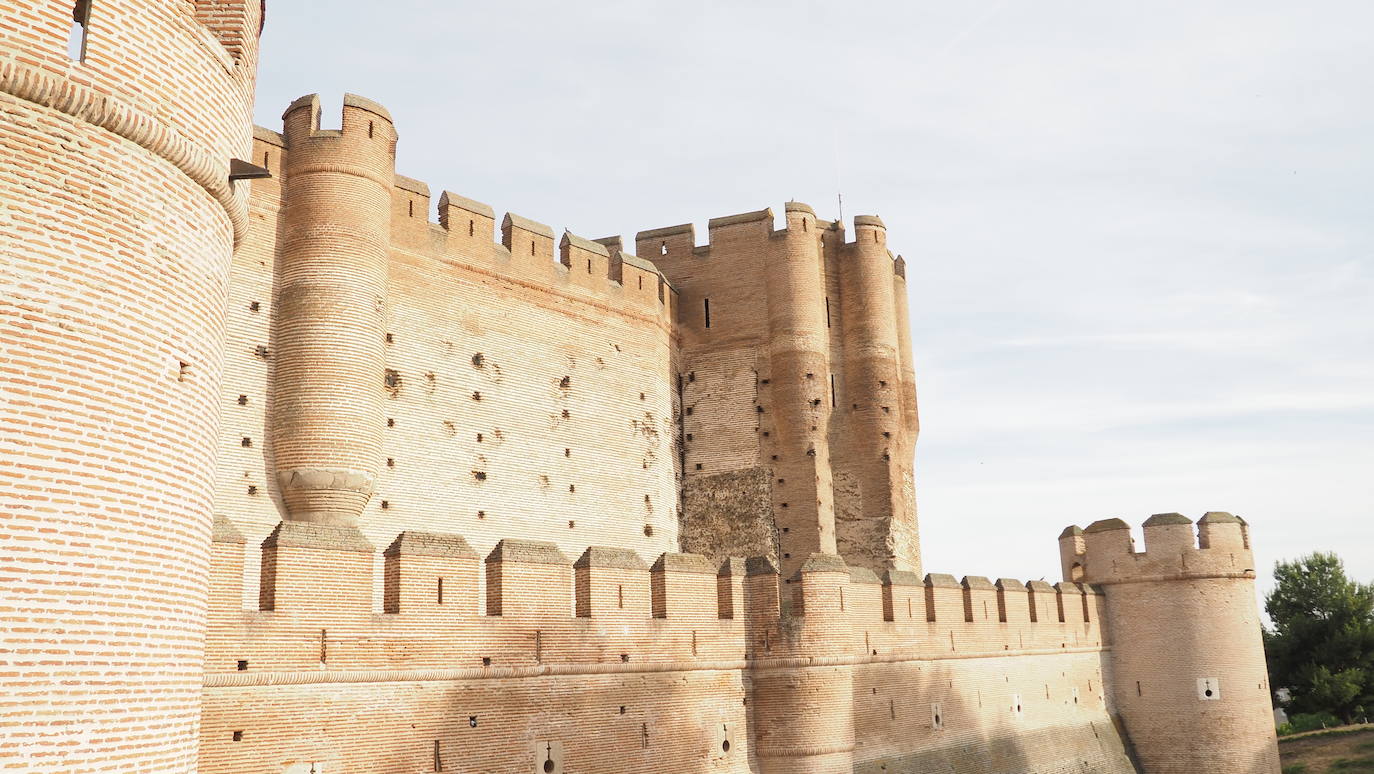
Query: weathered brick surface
(117, 220)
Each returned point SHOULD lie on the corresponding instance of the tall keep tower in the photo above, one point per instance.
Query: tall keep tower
(797, 390)
(1187, 669)
(118, 218)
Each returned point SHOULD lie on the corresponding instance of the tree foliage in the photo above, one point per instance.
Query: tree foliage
(1321, 647)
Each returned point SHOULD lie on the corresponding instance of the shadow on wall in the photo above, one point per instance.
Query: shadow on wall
(929, 718)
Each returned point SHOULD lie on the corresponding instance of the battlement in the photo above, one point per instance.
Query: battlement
(457, 230)
(732, 231)
(526, 603)
(1105, 552)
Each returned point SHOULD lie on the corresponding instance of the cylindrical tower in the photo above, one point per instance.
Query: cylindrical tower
(904, 452)
(1187, 669)
(798, 352)
(117, 223)
(327, 413)
(884, 537)
(803, 691)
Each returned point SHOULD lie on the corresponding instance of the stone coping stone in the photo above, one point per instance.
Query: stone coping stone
(1162, 519)
(411, 184)
(901, 578)
(824, 563)
(569, 238)
(1010, 584)
(941, 580)
(527, 552)
(977, 582)
(798, 207)
(744, 217)
(695, 563)
(1066, 587)
(532, 226)
(451, 199)
(1073, 530)
(305, 534)
(1106, 525)
(415, 543)
(268, 136)
(1040, 587)
(1220, 517)
(868, 220)
(603, 556)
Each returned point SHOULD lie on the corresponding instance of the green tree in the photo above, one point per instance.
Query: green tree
(1321, 647)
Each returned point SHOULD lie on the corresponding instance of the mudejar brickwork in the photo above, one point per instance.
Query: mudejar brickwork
(295, 479)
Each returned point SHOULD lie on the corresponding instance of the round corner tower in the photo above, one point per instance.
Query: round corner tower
(327, 413)
(1187, 660)
(118, 219)
(881, 415)
(799, 360)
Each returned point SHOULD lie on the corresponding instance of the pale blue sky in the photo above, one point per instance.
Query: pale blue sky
(1140, 236)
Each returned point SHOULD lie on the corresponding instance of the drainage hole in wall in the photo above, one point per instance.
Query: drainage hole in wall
(243, 665)
(472, 721)
(238, 736)
(486, 661)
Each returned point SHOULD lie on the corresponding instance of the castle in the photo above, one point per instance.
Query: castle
(297, 480)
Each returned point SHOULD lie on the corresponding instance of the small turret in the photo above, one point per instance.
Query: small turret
(329, 361)
(1188, 670)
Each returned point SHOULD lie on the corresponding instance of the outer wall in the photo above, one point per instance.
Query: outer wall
(115, 237)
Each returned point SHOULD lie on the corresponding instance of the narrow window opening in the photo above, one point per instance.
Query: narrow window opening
(827, 311)
(706, 307)
(246, 442)
(567, 452)
(486, 661)
(369, 130)
(439, 593)
(243, 400)
(183, 370)
(254, 306)
(238, 736)
(266, 156)
(698, 466)
(243, 665)
(531, 247)
(438, 761)
(589, 266)
(663, 248)
(472, 228)
(411, 203)
(76, 37)
(641, 282)
(805, 228)
(832, 391)
(620, 596)
(841, 599)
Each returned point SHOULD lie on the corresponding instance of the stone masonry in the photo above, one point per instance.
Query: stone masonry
(296, 478)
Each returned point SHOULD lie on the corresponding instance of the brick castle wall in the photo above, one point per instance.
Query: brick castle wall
(607, 664)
